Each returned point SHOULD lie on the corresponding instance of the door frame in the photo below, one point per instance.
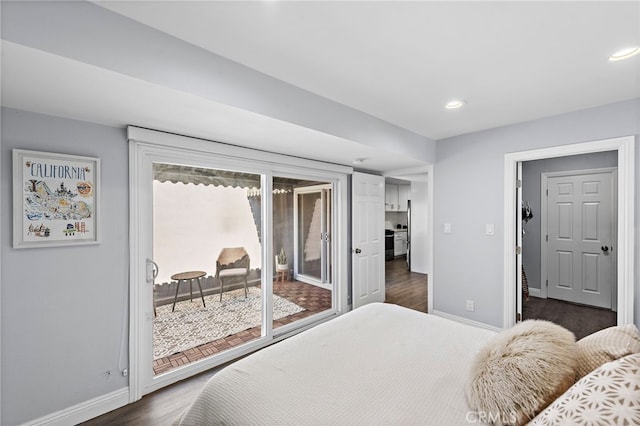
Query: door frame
(544, 185)
(625, 147)
(147, 145)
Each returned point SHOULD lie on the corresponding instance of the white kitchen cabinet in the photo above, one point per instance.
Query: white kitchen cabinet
(400, 243)
(391, 197)
(396, 197)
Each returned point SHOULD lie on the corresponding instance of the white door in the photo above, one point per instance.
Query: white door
(580, 231)
(367, 224)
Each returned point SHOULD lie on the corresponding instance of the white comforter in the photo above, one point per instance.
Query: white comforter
(377, 365)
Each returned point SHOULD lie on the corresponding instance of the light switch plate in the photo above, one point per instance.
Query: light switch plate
(447, 228)
(490, 229)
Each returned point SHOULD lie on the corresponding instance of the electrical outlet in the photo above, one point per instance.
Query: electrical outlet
(470, 306)
(125, 372)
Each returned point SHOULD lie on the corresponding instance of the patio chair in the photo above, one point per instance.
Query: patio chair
(232, 262)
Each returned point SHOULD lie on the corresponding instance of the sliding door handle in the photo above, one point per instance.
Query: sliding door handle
(152, 270)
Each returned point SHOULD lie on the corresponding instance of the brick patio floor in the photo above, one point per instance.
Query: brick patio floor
(312, 298)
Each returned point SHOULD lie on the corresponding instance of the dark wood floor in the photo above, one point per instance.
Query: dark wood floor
(158, 408)
(403, 288)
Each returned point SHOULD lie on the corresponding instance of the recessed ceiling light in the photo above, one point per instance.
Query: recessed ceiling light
(358, 160)
(625, 53)
(455, 104)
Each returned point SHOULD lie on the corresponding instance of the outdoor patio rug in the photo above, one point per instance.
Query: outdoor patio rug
(192, 325)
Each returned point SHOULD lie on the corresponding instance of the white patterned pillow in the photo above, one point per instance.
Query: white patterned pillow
(604, 346)
(609, 395)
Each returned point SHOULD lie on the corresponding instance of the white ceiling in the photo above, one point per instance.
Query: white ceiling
(402, 61)
(398, 61)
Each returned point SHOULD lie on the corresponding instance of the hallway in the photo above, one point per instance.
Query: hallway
(405, 288)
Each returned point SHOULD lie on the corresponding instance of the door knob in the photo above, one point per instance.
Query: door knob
(605, 248)
(358, 251)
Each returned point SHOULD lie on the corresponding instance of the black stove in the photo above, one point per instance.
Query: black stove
(388, 244)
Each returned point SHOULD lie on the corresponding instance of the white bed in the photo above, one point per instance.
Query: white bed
(379, 364)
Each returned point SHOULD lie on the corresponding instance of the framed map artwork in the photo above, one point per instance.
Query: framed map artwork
(55, 199)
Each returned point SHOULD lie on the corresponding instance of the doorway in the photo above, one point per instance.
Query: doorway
(624, 149)
(407, 279)
(405, 288)
(568, 214)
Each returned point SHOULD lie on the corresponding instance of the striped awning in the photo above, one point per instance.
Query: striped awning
(200, 176)
(176, 173)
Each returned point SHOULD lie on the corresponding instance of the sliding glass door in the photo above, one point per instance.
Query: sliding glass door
(301, 242)
(208, 230)
(208, 253)
(216, 246)
(312, 215)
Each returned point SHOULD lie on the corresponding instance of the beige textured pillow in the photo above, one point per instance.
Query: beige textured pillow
(609, 395)
(520, 371)
(606, 345)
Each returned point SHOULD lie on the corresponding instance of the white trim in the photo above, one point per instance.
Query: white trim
(519, 241)
(543, 228)
(544, 186)
(135, 345)
(169, 140)
(85, 410)
(466, 321)
(148, 146)
(626, 211)
(430, 234)
(266, 276)
(535, 292)
(1, 235)
(410, 171)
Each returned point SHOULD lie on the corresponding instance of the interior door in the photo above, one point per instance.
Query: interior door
(580, 231)
(518, 250)
(367, 224)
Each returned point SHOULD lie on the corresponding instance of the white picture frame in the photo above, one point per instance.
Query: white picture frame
(56, 199)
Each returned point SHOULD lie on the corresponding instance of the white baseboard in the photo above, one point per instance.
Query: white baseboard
(535, 292)
(466, 321)
(85, 410)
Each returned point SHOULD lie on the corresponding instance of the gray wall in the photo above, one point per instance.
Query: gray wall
(531, 172)
(468, 193)
(64, 309)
